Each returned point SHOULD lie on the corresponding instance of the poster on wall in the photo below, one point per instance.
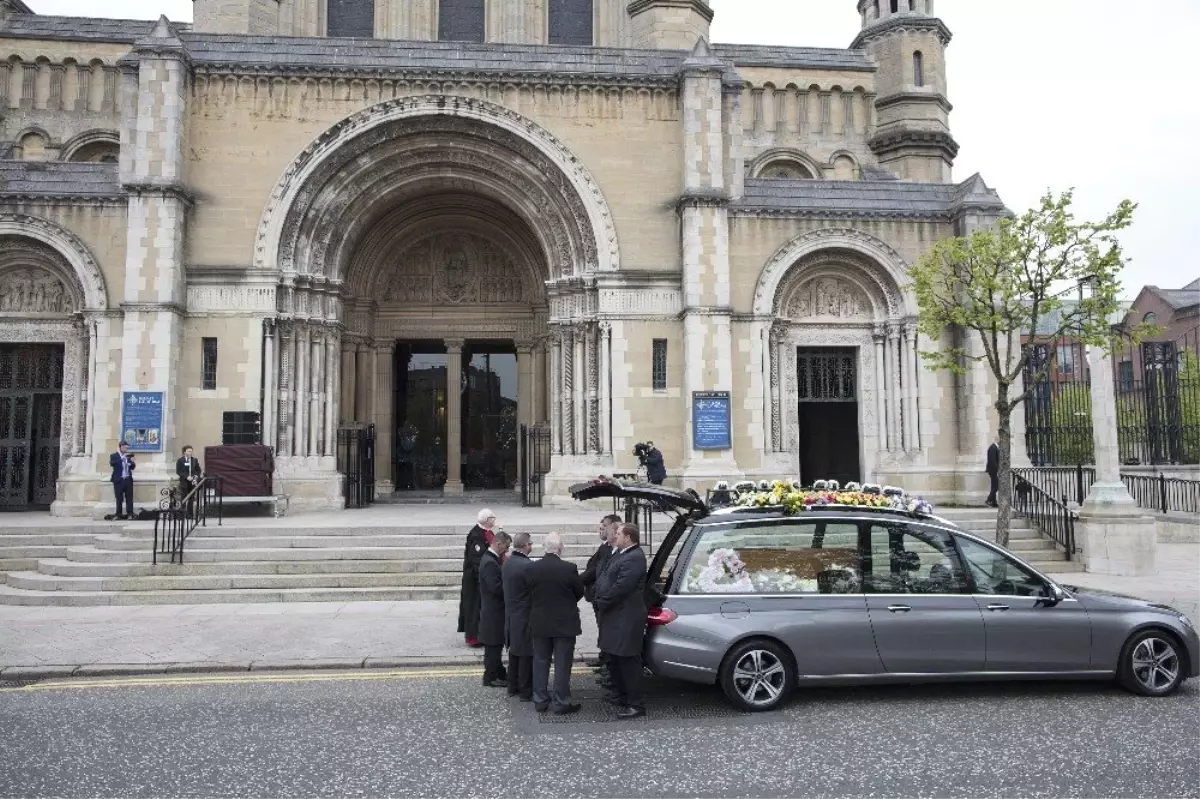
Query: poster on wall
(142, 420)
(712, 424)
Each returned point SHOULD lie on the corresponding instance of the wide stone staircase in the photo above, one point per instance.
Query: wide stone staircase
(242, 563)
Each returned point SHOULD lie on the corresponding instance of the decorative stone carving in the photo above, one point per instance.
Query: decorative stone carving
(21, 231)
(455, 269)
(828, 297)
(34, 290)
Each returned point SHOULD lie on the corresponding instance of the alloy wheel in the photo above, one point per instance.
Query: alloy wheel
(759, 677)
(1155, 664)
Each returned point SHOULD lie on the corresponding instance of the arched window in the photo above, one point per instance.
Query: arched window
(877, 9)
(1150, 318)
(895, 6)
(571, 22)
(350, 18)
(918, 69)
(461, 20)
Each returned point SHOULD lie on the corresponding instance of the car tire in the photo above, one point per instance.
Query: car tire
(1152, 664)
(758, 675)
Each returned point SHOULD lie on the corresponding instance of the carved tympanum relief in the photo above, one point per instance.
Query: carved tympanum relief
(828, 297)
(33, 290)
(455, 269)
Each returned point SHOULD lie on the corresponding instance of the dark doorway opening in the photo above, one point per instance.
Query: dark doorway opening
(490, 427)
(827, 382)
(419, 460)
(31, 382)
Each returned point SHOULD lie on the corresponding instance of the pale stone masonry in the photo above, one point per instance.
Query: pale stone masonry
(316, 205)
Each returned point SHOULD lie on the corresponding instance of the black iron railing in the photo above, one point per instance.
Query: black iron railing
(179, 514)
(535, 456)
(641, 512)
(1066, 483)
(1048, 514)
(1164, 494)
(356, 463)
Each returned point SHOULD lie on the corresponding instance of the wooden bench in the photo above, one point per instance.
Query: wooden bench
(273, 501)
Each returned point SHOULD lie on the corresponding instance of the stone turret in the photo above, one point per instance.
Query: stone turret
(669, 24)
(909, 44)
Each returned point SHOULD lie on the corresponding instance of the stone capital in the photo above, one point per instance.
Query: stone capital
(454, 346)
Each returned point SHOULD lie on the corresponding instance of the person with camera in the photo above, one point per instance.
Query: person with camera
(122, 465)
(649, 457)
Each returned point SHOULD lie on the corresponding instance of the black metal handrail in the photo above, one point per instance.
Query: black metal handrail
(1066, 482)
(641, 512)
(1048, 514)
(1163, 494)
(178, 515)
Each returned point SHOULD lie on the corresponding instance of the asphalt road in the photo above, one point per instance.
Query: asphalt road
(440, 733)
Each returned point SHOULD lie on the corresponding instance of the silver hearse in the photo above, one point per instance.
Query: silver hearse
(760, 602)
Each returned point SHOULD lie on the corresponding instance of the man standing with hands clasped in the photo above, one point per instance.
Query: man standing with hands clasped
(621, 603)
(491, 610)
(555, 589)
(515, 574)
(122, 465)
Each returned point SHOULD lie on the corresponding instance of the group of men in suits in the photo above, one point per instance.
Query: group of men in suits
(533, 609)
(187, 468)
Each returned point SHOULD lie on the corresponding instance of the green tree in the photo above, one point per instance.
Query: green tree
(990, 287)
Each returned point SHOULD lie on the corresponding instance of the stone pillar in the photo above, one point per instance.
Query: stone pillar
(538, 412)
(349, 352)
(914, 354)
(270, 379)
(154, 284)
(302, 386)
(605, 388)
(567, 394)
(579, 403)
(881, 404)
(910, 392)
(454, 372)
(768, 381)
(286, 334)
(555, 397)
(525, 383)
(333, 403)
(316, 391)
(892, 377)
(363, 383)
(384, 432)
(779, 377)
(1116, 538)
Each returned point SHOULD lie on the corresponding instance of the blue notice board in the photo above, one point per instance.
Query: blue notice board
(712, 424)
(142, 420)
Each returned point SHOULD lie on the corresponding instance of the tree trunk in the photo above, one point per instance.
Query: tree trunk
(1005, 496)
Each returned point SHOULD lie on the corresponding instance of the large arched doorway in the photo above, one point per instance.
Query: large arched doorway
(435, 256)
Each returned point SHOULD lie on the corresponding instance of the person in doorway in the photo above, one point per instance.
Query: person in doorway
(492, 622)
(515, 575)
(595, 564)
(122, 465)
(620, 598)
(187, 469)
(555, 590)
(478, 540)
(993, 472)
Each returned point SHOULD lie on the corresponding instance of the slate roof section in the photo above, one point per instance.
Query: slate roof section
(1179, 299)
(95, 29)
(59, 179)
(747, 55)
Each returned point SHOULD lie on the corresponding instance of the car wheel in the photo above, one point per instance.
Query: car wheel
(1151, 664)
(758, 676)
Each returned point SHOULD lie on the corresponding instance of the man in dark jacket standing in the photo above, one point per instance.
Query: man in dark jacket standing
(122, 465)
(478, 540)
(595, 564)
(491, 610)
(515, 573)
(993, 471)
(620, 599)
(555, 589)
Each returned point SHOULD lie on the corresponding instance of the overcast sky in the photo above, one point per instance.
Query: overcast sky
(1046, 94)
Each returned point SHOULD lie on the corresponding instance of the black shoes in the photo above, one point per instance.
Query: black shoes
(525, 699)
(495, 684)
(541, 708)
(631, 713)
(568, 710)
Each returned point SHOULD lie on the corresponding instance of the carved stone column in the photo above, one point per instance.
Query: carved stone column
(363, 390)
(349, 358)
(316, 391)
(579, 401)
(910, 393)
(333, 400)
(555, 396)
(778, 391)
(286, 388)
(765, 364)
(525, 383)
(605, 388)
(303, 353)
(270, 379)
(592, 347)
(895, 444)
(384, 432)
(454, 372)
(540, 384)
(567, 395)
(880, 337)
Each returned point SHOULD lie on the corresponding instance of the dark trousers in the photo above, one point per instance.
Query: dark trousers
(123, 489)
(603, 656)
(627, 680)
(995, 480)
(563, 652)
(520, 675)
(493, 666)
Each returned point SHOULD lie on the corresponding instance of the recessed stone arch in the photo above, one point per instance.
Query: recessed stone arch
(786, 157)
(92, 145)
(48, 242)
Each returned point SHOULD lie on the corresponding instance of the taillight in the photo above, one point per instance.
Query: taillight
(657, 617)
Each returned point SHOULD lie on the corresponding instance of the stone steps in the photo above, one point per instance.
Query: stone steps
(15, 596)
(36, 581)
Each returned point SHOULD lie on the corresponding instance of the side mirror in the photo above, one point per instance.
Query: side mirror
(1051, 595)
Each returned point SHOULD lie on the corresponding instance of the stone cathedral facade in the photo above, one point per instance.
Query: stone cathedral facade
(467, 222)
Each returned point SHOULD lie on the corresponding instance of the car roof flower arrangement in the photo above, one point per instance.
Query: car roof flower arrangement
(790, 500)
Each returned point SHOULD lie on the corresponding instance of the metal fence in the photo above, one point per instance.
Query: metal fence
(1157, 388)
(356, 463)
(535, 455)
(1154, 492)
(179, 514)
(1050, 515)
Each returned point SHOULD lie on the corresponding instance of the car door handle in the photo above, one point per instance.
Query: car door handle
(899, 608)
(997, 607)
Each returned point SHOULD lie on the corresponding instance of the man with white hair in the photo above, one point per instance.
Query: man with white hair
(515, 575)
(478, 540)
(555, 591)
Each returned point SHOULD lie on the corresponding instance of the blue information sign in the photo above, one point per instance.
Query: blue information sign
(712, 424)
(142, 420)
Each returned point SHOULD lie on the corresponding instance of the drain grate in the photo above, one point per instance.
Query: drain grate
(18, 683)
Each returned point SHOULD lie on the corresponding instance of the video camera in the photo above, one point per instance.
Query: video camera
(640, 450)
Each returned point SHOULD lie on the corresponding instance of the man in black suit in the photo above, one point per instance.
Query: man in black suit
(620, 598)
(993, 471)
(187, 469)
(122, 465)
(596, 563)
(491, 610)
(555, 589)
(515, 573)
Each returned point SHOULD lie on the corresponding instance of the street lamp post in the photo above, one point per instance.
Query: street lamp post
(1117, 537)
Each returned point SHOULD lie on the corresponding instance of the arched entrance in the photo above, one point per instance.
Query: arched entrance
(48, 284)
(843, 358)
(434, 257)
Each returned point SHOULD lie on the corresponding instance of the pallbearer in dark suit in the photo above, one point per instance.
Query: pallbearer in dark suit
(608, 529)
(993, 471)
(555, 589)
(187, 469)
(491, 610)
(620, 599)
(478, 540)
(515, 573)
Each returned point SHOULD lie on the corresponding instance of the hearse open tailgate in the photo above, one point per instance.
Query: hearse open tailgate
(605, 488)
